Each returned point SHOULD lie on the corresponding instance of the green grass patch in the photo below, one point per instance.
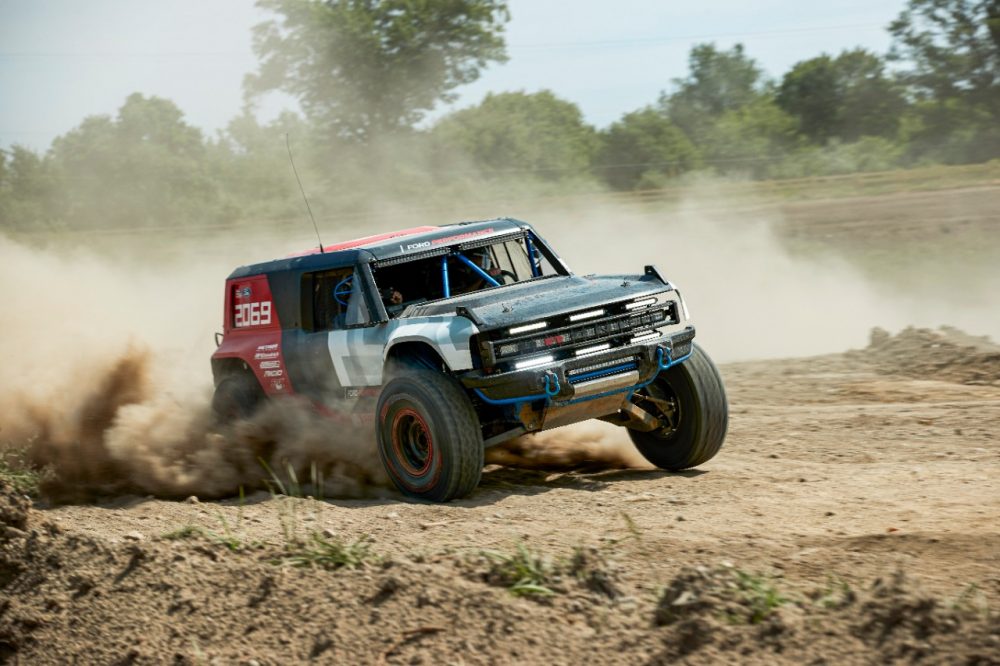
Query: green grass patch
(325, 553)
(523, 572)
(759, 598)
(17, 471)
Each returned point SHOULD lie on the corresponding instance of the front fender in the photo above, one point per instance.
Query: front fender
(447, 335)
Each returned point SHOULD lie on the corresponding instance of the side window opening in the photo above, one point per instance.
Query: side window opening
(332, 294)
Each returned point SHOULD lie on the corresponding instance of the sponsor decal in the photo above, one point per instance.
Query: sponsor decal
(274, 373)
(267, 348)
(353, 392)
(263, 356)
(268, 365)
(414, 246)
(252, 314)
(243, 292)
(278, 386)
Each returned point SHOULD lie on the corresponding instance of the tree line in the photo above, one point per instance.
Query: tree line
(366, 73)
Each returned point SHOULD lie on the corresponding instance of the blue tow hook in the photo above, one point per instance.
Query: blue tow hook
(552, 386)
(665, 351)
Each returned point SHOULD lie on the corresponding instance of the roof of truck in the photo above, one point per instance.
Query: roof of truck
(390, 245)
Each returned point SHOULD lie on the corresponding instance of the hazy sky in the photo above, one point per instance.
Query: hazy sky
(61, 60)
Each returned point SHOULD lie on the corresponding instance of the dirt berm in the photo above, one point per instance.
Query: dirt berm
(71, 598)
(851, 518)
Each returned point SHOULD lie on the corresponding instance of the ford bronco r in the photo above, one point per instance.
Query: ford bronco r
(456, 338)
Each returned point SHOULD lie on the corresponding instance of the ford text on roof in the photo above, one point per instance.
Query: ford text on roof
(461, 337)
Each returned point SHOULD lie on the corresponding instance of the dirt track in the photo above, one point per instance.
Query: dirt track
(838, 473)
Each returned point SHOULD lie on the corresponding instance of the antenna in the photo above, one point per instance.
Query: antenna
(302, 189)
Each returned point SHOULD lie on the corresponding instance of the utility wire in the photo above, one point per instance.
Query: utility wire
(629, 41)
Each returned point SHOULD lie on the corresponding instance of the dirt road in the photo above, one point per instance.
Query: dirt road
(851, 517)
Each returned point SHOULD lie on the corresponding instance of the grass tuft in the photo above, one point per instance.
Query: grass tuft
(760, 598)
(17, 470)
(319, 551)
(523, 572)
(229, 540)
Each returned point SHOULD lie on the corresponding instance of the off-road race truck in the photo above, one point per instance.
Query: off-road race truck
(456, 338)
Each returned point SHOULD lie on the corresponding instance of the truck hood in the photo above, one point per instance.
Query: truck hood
(537, 299)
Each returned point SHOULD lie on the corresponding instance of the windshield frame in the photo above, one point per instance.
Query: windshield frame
(537, 250)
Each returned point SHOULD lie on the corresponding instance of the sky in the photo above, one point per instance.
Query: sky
(62, 60)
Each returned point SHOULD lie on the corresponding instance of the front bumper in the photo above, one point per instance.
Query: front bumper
(576, 379)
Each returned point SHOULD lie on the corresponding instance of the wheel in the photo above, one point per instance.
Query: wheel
(236, 397)
(429, 438)
(691, 402)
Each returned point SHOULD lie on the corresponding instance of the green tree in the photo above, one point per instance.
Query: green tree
(643, 148)
(535, 133)
(362, 68)
(950, 52)
(144, 167)
(750, 140)
(846, 97)
(26, 190)
(719, 81)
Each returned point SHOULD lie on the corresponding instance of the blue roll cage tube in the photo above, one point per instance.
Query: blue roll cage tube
(535, 270)
(338, 292)
(483, 274)
(550, 392)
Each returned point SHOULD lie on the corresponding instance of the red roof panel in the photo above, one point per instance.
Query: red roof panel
(367, 240)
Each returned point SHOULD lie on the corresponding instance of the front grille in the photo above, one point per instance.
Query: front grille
(563, 338)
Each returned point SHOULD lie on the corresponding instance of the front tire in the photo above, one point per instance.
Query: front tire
(691, 401)
(429, 438)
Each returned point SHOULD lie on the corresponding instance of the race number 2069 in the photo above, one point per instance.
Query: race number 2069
(252, 314)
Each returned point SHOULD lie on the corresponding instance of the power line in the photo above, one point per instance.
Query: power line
(676, 38)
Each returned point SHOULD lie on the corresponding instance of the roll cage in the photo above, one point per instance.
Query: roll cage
(539, 256)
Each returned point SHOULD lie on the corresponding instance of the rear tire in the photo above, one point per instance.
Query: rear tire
(700, 414)
(429, 438)
(236, 397)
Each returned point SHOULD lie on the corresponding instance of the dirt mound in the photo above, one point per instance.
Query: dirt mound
(711, 613)
(13, 507)
(945, 354)
(194, 596)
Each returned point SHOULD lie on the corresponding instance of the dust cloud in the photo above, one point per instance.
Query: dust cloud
(749, 295)
(106, 385)
(106, 381)
(588, 445)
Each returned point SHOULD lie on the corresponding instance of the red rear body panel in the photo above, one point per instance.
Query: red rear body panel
(252, 333)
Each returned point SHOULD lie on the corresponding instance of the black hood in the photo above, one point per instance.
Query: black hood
(546, 297)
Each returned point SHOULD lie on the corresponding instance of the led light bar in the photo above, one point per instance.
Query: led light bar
(596, 349)
(642, 337)
(642, 303)
(533, 362)
(527, 327)
(590, 314)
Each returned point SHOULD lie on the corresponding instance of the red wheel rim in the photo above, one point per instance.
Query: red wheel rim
(412, 442)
